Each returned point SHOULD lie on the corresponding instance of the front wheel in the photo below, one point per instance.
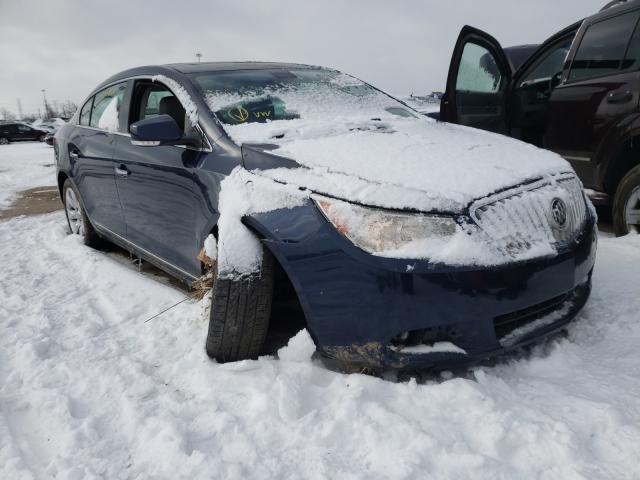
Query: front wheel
(77, 219)
(240, 312)
(41, 138)
(626, 204)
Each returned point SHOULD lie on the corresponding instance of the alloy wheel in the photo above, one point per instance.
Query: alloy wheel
(632, 210)
(3, 141)
(74, 212)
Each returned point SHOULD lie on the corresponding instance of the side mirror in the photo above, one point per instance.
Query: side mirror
(161, 130)
(555, 81)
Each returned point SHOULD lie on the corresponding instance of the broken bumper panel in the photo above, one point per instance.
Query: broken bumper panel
(361, 309)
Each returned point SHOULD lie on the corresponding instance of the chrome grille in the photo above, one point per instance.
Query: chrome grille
(520, 218)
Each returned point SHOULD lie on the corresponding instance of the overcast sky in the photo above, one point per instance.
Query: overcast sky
(68, 47)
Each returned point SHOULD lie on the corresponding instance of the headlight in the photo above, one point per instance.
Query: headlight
(377, 231)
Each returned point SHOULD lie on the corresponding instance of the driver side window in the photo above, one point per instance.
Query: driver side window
(152, 99)
(549, 65)
(478, 71)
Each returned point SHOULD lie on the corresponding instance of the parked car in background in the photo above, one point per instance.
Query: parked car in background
(405, 242)
(17, 131)
(577, 94)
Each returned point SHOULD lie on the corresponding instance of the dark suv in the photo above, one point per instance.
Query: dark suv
(15, 131)
(578, 94)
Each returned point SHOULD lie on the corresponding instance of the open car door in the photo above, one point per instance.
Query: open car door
(477, 84)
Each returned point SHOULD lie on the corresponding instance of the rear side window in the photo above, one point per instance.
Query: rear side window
(106, 107)
(85, 113)
(603, 47)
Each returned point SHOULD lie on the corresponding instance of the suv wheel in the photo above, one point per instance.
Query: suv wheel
(77, 219)
(4, 141)
(41, 138)
(240, 311)
(626, 204)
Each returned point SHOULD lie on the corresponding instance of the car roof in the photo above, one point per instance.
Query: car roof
(188, 68)
(225, 66)
(619, 6)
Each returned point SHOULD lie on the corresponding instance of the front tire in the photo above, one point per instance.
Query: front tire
(41, 138)
(240, 312)
(4, 141)
(77, 219)
(626, 204)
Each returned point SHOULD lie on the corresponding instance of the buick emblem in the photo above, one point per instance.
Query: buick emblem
(559, 213)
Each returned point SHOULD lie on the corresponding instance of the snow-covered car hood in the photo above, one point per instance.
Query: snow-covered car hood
(408, 163)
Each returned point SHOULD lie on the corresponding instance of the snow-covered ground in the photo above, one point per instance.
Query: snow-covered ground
(24, 165)
(88, 389)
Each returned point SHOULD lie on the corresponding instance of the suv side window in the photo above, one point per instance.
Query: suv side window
(24, 128)
(603, 47)
(106, 107)
(85, 113)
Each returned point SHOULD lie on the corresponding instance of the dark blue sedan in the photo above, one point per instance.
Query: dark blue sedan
(405, 242)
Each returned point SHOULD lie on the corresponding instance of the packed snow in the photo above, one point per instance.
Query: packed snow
(89, 390)
(24, 165)
(239, 252)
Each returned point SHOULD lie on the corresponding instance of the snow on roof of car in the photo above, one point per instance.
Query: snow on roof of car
(246, 65)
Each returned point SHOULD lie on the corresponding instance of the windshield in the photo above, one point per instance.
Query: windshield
(263, 105)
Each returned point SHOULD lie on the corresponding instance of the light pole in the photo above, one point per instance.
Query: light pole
(46, 105)
(198, 56)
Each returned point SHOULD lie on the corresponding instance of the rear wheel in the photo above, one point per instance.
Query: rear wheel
(626, 204)
(4, 141)
(240, 311)
(77, 219)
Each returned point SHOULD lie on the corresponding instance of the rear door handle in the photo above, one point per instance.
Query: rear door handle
(122, 171)
(619, 97)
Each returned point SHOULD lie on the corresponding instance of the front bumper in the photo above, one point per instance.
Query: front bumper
(355, 303)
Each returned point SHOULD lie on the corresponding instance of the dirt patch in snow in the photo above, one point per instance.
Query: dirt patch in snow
(33, 201)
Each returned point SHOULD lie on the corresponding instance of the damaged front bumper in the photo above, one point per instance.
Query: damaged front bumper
(372, 312)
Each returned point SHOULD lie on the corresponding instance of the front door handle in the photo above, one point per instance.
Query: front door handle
(122, 171)
(619, 97)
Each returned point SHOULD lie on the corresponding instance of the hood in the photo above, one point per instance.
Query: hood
(416, 164)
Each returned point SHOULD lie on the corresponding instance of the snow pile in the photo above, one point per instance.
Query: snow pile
(211, 247)
(242, 193)
(24, 165)
(182, 95)
(299, 349)
(89, 390)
